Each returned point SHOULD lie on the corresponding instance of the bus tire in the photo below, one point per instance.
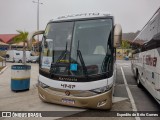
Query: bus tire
(139, 81)
(20, 61)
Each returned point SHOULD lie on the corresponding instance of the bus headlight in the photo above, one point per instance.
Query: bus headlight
(102, 89)
(42, 84)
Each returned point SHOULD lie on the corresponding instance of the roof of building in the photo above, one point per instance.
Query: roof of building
(6, 38)
(18, 44)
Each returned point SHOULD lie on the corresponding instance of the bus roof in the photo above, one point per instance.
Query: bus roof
(81, 16)
(153, 16)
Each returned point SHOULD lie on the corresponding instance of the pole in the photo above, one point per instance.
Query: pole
(38, 3)
(38, 19)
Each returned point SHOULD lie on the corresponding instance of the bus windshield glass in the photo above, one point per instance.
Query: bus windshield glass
(79, 48)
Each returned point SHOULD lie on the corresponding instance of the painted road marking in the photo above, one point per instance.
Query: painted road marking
(134, 108)
(118, 99)
(3, 69)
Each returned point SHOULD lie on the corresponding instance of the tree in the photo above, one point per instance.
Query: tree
(22, 37)
(125, 45)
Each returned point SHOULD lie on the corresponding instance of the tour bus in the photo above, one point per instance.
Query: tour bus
(17, 56)
(77, 60)
(145, 65)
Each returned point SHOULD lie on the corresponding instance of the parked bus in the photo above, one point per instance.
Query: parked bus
(17, 56)
(145, 65)
(77, 60)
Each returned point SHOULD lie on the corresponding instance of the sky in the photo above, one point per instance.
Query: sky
(22, 14)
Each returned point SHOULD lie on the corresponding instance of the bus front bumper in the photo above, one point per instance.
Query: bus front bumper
(99, 101)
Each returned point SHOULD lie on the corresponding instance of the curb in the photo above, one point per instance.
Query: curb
(3, 69)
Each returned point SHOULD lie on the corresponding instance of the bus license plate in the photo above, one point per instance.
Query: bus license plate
(68, 101)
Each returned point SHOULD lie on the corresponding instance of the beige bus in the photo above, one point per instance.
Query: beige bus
(77, 60)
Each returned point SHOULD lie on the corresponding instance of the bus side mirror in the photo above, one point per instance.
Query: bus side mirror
(117, 35)
(32, 35)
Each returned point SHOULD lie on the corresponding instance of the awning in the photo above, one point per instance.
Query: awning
(4, 44)
(19, 44)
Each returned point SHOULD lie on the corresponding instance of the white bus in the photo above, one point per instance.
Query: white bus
(145, 65)
(77, 60)
(17, 56)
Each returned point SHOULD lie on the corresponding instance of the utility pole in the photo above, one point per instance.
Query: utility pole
(38, 3)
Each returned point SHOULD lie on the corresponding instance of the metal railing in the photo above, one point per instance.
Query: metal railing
(3, 61)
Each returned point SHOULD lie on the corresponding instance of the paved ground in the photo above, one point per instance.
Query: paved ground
(29, 101)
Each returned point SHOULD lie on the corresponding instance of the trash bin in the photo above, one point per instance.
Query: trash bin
(20, 77)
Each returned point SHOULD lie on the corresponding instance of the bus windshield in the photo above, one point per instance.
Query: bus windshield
(78, 48)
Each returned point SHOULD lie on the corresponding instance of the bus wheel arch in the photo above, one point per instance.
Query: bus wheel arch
(136, 73)
(20, 61)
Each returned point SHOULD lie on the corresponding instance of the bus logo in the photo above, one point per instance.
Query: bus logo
(67, 93)
(152, 61)
(67, 79)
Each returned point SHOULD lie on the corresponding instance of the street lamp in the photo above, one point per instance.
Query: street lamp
(38, 3)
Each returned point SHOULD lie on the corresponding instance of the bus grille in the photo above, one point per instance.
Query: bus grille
(73, 93)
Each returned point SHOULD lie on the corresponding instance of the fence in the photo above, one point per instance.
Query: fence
(2, 61)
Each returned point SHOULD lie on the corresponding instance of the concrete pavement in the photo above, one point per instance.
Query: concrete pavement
(27, 100)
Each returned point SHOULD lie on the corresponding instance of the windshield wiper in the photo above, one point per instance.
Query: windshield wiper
(64, 53)
(82, 61)
(105, 63)
(58, 63)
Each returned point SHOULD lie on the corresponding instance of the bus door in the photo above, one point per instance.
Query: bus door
(142, 72)
(150, 69)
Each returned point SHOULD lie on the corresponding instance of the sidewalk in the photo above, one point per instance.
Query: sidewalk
(1, 71)
(27, 100)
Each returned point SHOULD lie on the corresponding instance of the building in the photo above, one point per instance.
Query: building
(7, 38)
(6, 42)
